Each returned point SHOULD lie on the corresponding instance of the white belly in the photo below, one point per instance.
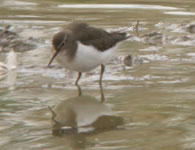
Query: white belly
(86, 59)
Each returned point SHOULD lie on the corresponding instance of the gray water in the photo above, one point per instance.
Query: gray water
(147, 106)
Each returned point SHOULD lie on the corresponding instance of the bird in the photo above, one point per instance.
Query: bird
(80, 47)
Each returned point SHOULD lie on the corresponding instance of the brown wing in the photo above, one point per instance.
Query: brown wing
(99, 38)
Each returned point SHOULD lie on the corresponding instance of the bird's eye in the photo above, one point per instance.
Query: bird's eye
(61, 45)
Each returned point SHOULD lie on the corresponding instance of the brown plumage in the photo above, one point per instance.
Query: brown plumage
(69, 38)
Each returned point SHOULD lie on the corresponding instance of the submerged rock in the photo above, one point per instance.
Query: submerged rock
(132, 60)
(10, 39)
(192, 28)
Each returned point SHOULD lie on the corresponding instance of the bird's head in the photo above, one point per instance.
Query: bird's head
(59, 41)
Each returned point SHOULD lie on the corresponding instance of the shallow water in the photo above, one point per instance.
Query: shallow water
(147, 106)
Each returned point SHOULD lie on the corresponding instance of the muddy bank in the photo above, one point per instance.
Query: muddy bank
(10, 39)
(10, 36)
(167, 33)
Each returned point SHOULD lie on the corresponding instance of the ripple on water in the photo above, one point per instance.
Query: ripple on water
(117, 6)
(180, 13)
(18, 3)
(191, 54)
(151, 48)
(154, 57)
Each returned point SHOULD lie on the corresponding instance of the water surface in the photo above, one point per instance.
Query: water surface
(147, 106)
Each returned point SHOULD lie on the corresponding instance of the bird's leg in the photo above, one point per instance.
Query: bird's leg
(101, 73)
(100, 82)
(53, 116)
(79, 76)
(79, 90)
(102, 93)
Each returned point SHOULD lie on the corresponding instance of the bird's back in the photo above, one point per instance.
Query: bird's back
(96, 37)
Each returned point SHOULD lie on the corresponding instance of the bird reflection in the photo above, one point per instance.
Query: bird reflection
(11, 79)
(78, 117)
(11, 76)
(9, 69)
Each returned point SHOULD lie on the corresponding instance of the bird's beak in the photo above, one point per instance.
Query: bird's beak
(59, 48)
(51, 60)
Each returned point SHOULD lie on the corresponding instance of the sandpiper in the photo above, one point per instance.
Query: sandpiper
(80, 47)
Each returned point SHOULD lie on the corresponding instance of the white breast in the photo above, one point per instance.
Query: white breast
(86, 59)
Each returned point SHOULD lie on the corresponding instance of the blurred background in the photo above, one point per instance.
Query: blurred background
(149, 97)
